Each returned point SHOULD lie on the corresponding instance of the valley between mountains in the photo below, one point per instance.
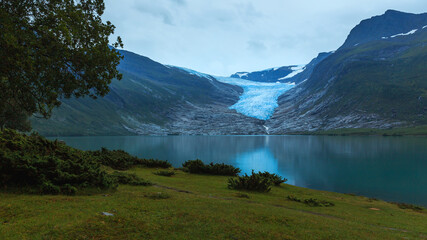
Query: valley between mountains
(376, 79)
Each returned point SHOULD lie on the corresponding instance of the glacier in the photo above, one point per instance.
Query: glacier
(259, 100)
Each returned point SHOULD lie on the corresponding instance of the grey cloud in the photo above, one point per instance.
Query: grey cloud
(156, 10)
(249, 10)
(221, 37)
(179, 2)
(256, 46)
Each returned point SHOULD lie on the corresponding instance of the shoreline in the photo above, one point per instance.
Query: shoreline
(393, 132)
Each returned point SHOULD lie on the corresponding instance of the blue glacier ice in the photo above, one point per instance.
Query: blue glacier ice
(258, 99)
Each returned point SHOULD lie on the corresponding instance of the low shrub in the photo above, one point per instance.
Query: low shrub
(153, 163)
(121, 160)
(47, 167)
(159, 195)
(129, 179)
(253, 182)
(312, 202)
(409, 206)
(293, 198)
(261, 181)
(276, 179)
(164, 173)
(194, 166)
(68, 189)
(116, 159)
(198, 167)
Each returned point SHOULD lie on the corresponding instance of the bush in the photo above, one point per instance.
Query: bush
(198, 167)
(116, 159)
(153, 163)
(261, 181)
(194, 166)
(121, 160)
(293, 198)
(276, 179)
(254, 182)
(129, 179)
(47, 167)
(68, 189)
(165, 173)
(312, 202)
(49, 188)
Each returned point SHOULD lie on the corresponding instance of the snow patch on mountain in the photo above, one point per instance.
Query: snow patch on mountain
(242, 74)
(295, 71)
(405, 34)
(402, 34)
(259, 100)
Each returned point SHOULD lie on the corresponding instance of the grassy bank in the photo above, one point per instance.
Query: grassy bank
(191, 206)
(49, 190)
(411, 131)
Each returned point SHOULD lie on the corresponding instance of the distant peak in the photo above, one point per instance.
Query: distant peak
(391, 23)
(395, 12)
(391, 11)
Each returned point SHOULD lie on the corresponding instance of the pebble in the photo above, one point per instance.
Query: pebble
(107, 214)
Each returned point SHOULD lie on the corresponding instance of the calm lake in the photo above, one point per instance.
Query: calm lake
(389, 168)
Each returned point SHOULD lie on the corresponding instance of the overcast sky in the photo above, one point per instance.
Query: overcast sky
(221, 37)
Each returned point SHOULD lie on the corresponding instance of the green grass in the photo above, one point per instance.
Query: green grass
(190, 206)
(410, 131)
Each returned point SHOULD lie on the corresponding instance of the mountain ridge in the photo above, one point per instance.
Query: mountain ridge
(380, 83)
(376, 79)
(152, 99)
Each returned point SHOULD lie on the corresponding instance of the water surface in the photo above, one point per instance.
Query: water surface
(390, 168)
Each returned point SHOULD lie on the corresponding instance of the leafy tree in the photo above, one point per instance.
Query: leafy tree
(50, 50)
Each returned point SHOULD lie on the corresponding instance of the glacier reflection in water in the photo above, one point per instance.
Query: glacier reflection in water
(384, 167)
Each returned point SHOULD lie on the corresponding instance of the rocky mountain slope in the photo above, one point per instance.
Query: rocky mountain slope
(153, 99)
(392, 22)
(287, 74)
(377, 79)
